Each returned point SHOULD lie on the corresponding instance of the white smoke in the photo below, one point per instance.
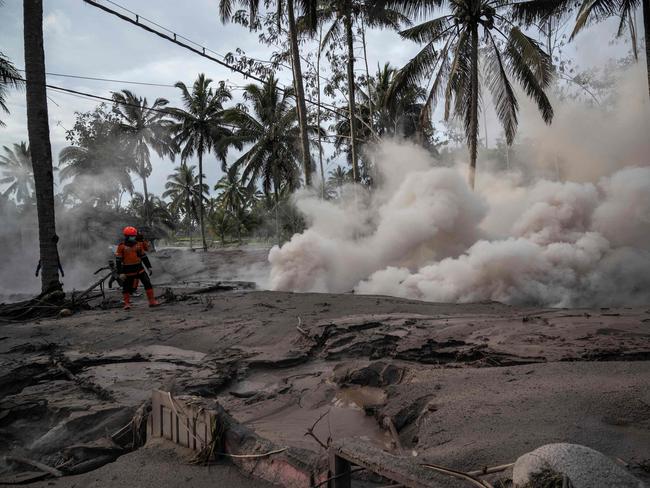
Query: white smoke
(423, 234)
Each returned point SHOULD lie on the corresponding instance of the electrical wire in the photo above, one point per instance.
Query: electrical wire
(190, 45)
(111, 80)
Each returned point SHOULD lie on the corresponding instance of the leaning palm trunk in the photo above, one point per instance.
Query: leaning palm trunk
(646, 27)
(351, 94)
(473, 121)
(300, 93)
(205, 245)
(318, 114)
(39, 142)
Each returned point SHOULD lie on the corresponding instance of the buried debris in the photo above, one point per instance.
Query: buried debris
(581, 466)
(204, 426)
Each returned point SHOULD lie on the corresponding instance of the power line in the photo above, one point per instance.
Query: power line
(231, 86)
(196, 48)
(92, 96)
(85, 95)
(94, 78)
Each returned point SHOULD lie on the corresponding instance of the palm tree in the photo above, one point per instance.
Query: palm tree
(453, 44)
(9, 77)
(39, 143)
(339, 176)
(98, 162)
(146, 127)
(396, 111)
(590, 11)
(201, 129)
(389, 113)
(186, 194)
(153, 213)
(235, 198)
(273, 135)
(308, 7)
(16, 168)
(233, 194)
(342, 14)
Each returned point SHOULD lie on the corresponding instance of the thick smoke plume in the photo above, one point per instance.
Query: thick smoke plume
(424, 234)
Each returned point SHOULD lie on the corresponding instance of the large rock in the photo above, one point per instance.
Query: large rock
(584, 467)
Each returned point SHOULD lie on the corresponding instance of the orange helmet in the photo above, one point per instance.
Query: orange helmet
(130, 231)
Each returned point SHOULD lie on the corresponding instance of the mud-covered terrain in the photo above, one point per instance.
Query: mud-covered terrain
(464, 386)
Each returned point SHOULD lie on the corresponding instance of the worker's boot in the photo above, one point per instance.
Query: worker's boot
(134, 290)
(127, 301)
(152, 300)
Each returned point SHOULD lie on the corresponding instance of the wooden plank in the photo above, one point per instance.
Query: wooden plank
(403, 470)
(180, 422)
(340, 472)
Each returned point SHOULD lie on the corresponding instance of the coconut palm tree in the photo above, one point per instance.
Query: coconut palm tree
(389, 112)
(456, 44)
(186, 194)
(39, 143)
(342, 14)
(233, 194)
(146, 127)
(308, 8)
(9, 78)
(236, 199)
(273, 134)
(17, 172)
(396, 112)
(201, 128)
(153, 213)
(590, 11)
(98, 162)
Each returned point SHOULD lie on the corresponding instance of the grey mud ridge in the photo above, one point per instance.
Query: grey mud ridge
(463, 386)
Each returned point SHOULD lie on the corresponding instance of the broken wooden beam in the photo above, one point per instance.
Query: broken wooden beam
(402, 470)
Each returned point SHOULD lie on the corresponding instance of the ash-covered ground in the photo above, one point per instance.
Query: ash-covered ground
(464, 386)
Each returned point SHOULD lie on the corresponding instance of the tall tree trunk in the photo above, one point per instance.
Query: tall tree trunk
(300, 93)
(365, 58)
(189, 219)
(277, 209)
(351, 92)
(473, 121)
(205, 245)
(318, 114)
(646, 28)
(146, 198)
(39, 142)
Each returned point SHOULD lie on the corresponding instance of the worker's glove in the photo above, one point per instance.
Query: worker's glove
(122, 277)
(150, 271)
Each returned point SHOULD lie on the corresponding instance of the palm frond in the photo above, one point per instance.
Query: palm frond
(529, 81)
(505, 101)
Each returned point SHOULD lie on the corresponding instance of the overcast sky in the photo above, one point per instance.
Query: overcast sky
(83, 40)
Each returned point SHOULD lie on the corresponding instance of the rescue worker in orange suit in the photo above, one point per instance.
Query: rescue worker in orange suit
(129, 260)
(145, 247)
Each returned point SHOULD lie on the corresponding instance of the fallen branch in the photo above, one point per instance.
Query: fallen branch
(486, 470)
(40, 466)
(253, 456)
(300, 329)
(84, 384)
(310, 432)
(459, 474)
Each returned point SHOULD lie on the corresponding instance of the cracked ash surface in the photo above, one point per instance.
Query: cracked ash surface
(459, 385)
